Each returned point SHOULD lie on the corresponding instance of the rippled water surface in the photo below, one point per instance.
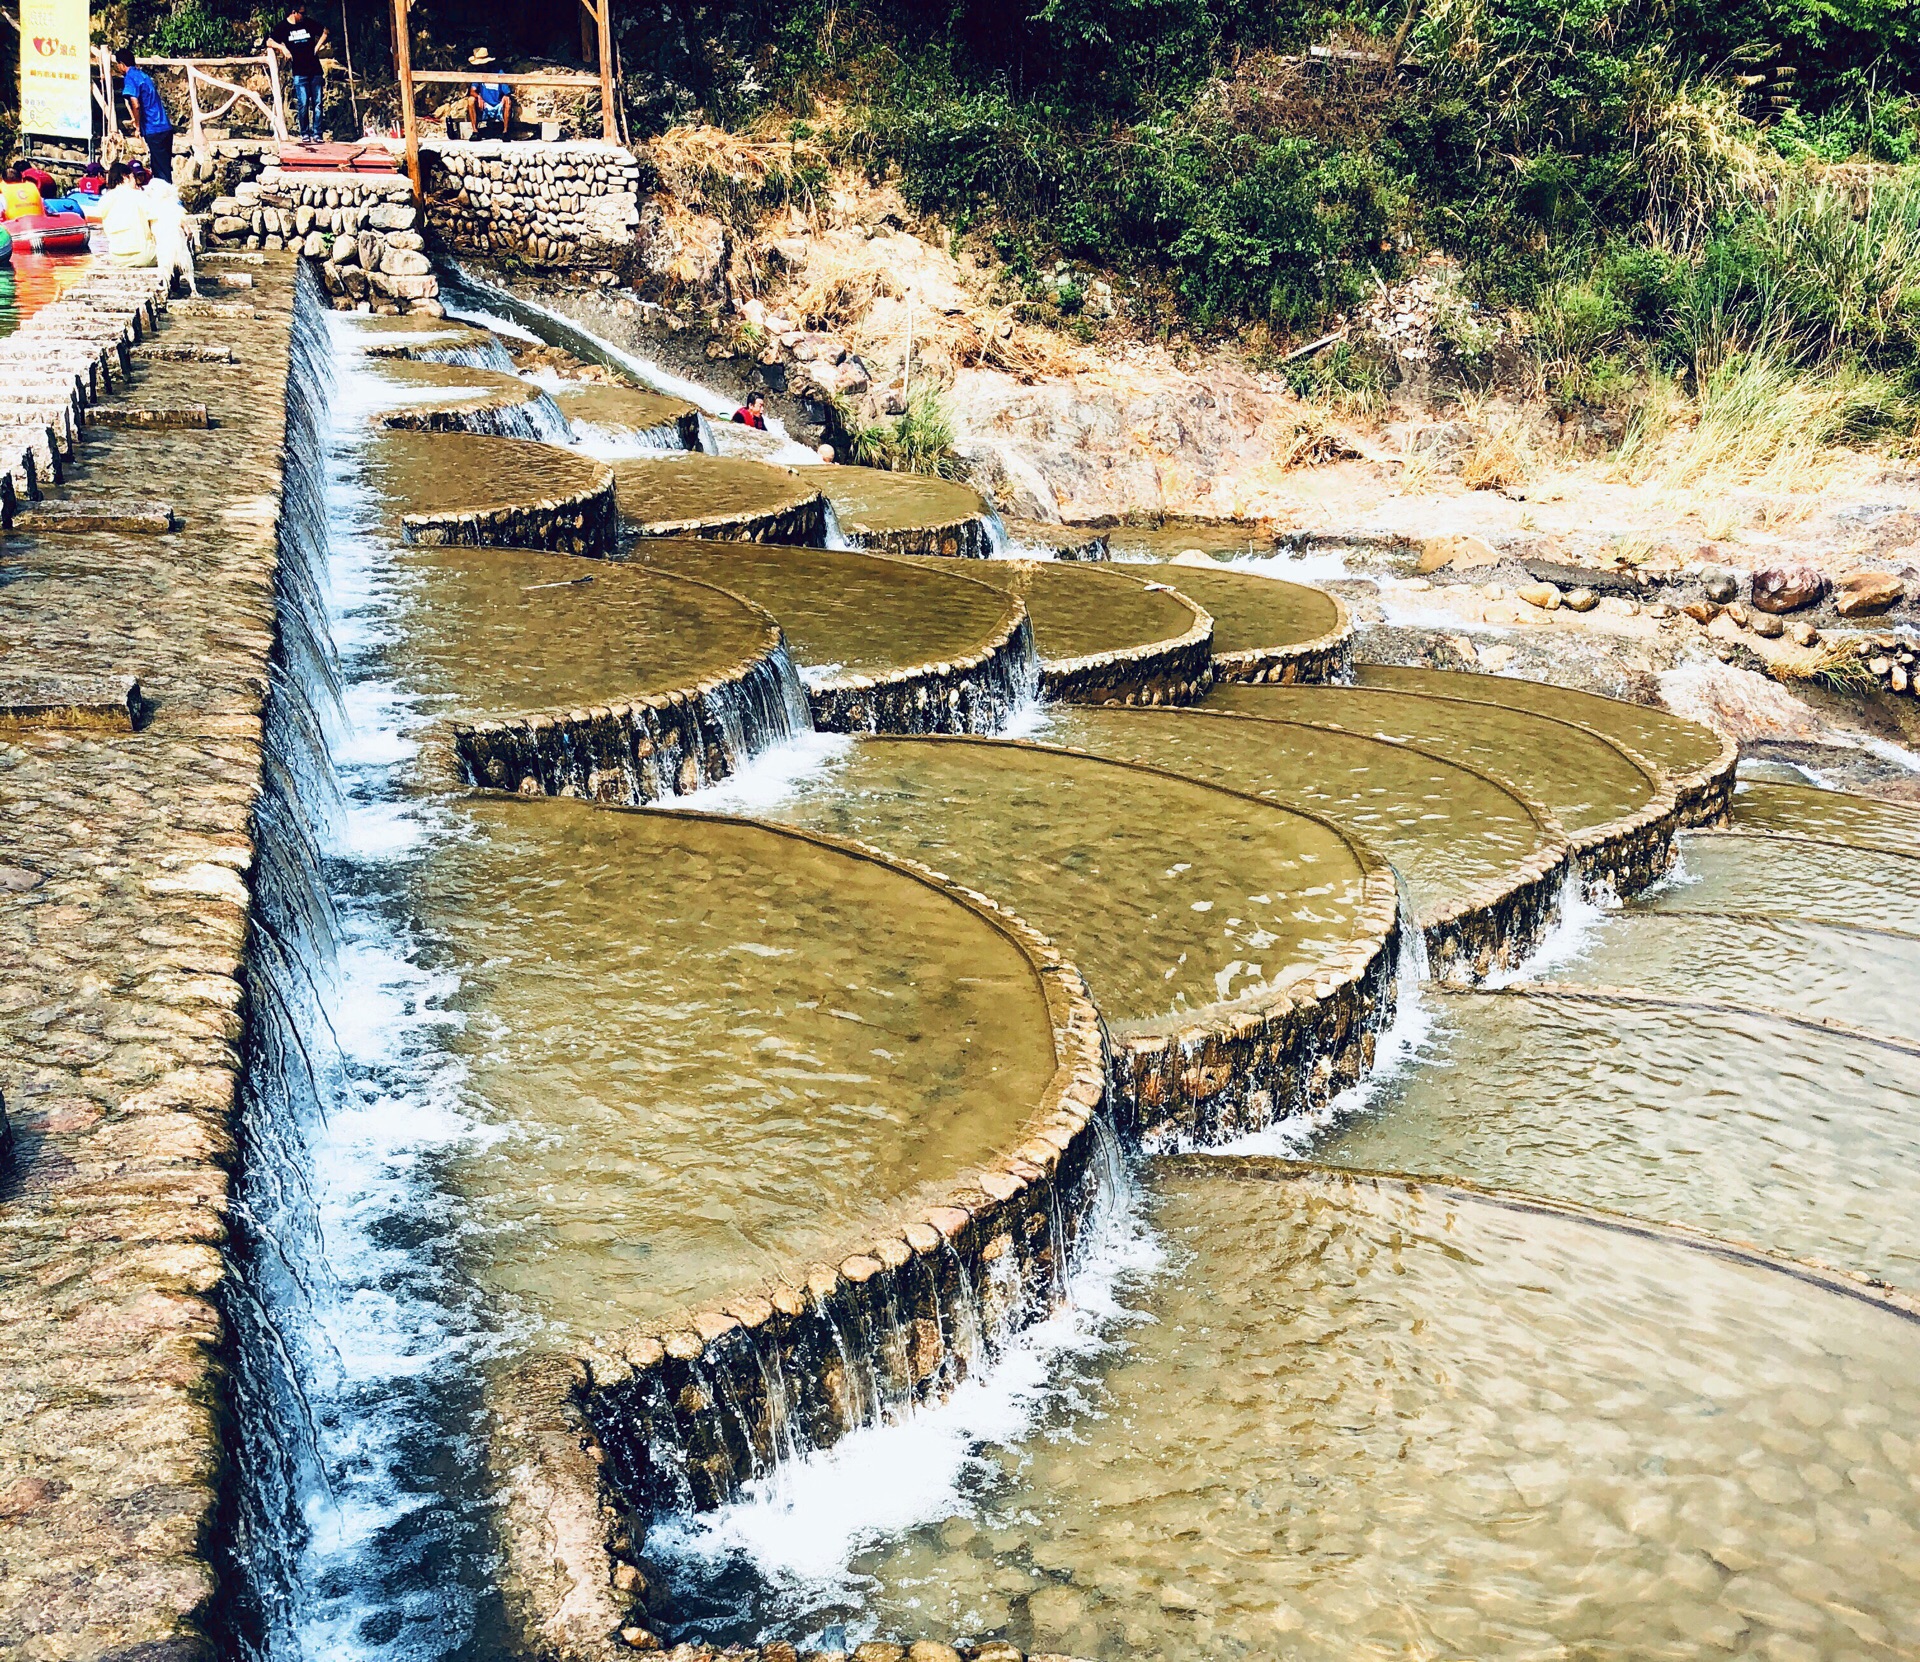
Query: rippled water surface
(1167, 894)
(1758, 873)
(706, 1051)
(1359, 1421)
(1251, 611)
(677, 489)
(1681, 747)
(418, 473)
(1770, 1131)
(1576, 774)
(871, 499)
(495, 631)
(852, 613)
(621, 408)
(1078, 610)
(1446, 830)
(1860, 820)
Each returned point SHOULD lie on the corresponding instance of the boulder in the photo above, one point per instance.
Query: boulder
(1579, 600)
(1546, 596)
(1862, 593)
(391, 216)
(1461, 553)
(1721, 584)
(1788, 588)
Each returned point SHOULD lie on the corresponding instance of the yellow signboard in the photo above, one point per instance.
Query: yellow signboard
(55, 97)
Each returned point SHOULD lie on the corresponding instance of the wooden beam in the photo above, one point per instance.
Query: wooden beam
(403, 72)
(609, 126)
(474, 77)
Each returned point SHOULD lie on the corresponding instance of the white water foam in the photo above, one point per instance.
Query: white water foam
(775, 776)
(802, 1527)
(1576, 929)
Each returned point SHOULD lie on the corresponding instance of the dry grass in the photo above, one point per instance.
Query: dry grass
(1495, 462)
(1315, 442)
(1702, 158)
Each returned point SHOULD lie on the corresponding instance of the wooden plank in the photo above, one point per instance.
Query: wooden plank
(603, 16)
(403, 70)
(473, 77)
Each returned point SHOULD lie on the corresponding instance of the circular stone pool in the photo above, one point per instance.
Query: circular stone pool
(443, 475)
(1362, 1419)
(698, 1052)
(1449, 832)
(1252, 613)
(849, 614)
(441, 396)
(1169, 894)
(907, 513)
(1680, 748)
(1080, 611)
(1584, 779)
(1829, 815)
(501, 631)
(620, 411)
(718, 496)
(412, 335)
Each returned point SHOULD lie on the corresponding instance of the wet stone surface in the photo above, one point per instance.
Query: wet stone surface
(120, 1001)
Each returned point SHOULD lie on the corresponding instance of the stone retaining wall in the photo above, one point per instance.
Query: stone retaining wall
(1176, 671)
(125, 914)
(962, 695)
(570, 203)
(1326, 658)
(961, 539)
(584, 522)
(644, 751)
(798, 525)
(363, 228)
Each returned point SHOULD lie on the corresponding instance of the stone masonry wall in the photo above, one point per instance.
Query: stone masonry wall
(564, 204)
(363, 228)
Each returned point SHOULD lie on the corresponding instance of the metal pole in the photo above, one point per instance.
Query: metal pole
(403, 70)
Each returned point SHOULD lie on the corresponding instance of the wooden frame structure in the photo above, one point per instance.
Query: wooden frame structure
(196, 69)
(598, 11)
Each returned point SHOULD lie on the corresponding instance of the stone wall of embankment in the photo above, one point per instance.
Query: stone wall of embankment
(124, 928)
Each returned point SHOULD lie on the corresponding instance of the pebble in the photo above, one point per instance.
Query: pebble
(1579, 600)
(1767, 626)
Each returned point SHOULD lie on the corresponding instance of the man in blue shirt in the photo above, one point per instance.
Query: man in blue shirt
(147, 113)
(489, 103)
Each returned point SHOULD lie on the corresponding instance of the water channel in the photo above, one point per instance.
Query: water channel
(1578, 1328)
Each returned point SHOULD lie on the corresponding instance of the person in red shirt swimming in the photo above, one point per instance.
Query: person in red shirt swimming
(753, 413)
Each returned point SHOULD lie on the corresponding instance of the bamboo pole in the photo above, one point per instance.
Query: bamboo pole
(403, 72)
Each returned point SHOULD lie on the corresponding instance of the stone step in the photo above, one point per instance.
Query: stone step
(97, 514)
(157, 415)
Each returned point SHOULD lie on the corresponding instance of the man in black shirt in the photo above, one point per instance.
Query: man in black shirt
(301, 41)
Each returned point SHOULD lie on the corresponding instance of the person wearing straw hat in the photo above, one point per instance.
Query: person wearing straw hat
(489, 103)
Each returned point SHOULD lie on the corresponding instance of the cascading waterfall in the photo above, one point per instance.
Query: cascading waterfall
(352, 1531)
(470, 356)
(835, 537)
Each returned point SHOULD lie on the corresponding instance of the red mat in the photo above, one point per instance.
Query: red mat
(338, 158)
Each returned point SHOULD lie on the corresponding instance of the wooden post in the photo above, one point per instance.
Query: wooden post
(609, 123)
(403, 72)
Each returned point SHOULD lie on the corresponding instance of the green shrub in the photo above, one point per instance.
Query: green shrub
(918, 441)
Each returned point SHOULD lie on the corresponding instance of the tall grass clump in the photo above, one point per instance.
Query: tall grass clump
(920, 440)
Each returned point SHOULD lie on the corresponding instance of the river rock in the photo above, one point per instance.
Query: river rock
(1788, 588)
(1579, 600)
(1804, 634)
(1701, 611)
(1721, 585)
(1767, 626)
(1461, 553)
(1545, 596)
(1862, 593)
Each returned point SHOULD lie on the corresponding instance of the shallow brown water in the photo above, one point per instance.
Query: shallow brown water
(1251, 612)
(1805, 968)
(1079, 610)
(707, 1051)
(620, 408)
(1168, 894)
(1582, 779)
(680, 489)
(414, 385)
(848, 613)
(1362, 1422)
(1861, 820)
(1680, 747)
(1802, 1140)
(1446, 830)
(872, 499)
(412, 333)
(1753, 872)
(497, 631)
(444, 473)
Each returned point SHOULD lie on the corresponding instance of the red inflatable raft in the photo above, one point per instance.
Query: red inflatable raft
(55, 232)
